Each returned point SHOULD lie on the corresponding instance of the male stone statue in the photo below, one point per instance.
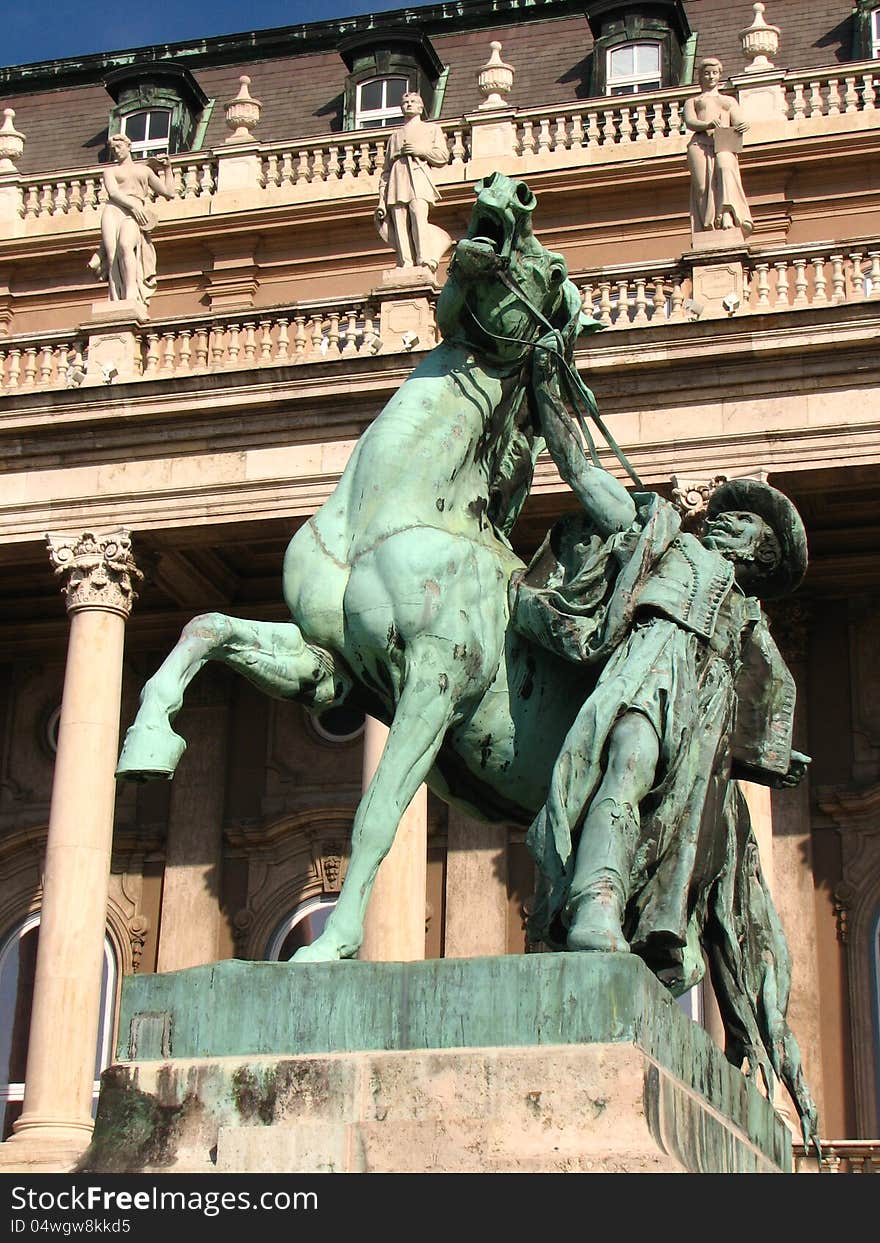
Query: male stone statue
(126, 258)
(406, 190)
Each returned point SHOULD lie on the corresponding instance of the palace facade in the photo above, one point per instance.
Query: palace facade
(169, 456)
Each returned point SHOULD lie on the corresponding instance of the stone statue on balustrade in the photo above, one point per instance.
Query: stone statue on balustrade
(126, 257)
(407, 192)
(606, 696)
(720, 214)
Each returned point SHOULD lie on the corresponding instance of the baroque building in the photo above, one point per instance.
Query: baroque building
(170, 450)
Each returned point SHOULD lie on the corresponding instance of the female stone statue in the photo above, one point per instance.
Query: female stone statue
(126, 258)
(718, 200)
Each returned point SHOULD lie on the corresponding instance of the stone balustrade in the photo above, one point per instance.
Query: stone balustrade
(593, 131)
(625, 297)
(841, 1156)
(791, 277)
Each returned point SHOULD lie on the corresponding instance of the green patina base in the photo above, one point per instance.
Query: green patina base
(354, 1065)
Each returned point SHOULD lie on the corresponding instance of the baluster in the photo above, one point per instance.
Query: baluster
(851, 95)
(762, 286)
(283, 353)
(14, 367)
(350, 346)
(819, 282)
(798, 103)
(838, 280)
(781, 303)
(333, 347)
(869, 94)
(675, 121)
(233, 348)
(660, 308)
(623, 304)
(527, 145)
(185, 348)
(858, 276)
(208, 185)
(32, 202)
(168, 355)
(74, 198)
(605, 302)
(30, 366)
(265, 342)
(379, 163)
(625, 125)
(800, 282)
(641, 315)
(90, 193)
(47, 358)
(609, 126)
(318, 344)
(833, 98)
(201, 349)
(2, 370)
(299, 338)
(191, 182)
(179, 187)
(364, 160)
(348, 165)
(269, 171)
(577, 132)
(544, 135)
(59, 199)
(586, 292)
(560, 137)
(676, 312)
(332, 168)
(151, 365)
(658, 121)
(250, 343)
(642, 126)
(815, 100)
(874, 277)
(218, 346)
(319, 165)
(370, 343)
(46, 200)
(593, 134)
(458, 147)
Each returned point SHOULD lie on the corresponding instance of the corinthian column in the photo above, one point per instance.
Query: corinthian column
(97, 573)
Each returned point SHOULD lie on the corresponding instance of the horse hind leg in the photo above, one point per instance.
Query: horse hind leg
(421, 719)
(274, 656)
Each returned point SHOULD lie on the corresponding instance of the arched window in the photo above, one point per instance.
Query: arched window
(301, 928)
(18, 959)
(149, 131)
(634, 67)
(379, 102)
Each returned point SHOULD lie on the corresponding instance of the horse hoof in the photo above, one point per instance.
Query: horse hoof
(316, 953)
(149, 752)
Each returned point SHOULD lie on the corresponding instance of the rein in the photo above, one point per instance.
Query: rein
(581, 398)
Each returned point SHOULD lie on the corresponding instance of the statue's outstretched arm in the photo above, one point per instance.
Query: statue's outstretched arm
(606, 501)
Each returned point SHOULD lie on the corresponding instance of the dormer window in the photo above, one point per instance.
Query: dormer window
(158, 105)
(383, 65)
(633, 68)
(866, 30)
(639, 45)
(149, 131)
(379, 102)
(875, 34)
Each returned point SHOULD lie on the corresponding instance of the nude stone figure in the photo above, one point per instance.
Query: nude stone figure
(718, 200)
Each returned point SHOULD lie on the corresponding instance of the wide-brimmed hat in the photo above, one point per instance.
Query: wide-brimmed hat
(752, 497)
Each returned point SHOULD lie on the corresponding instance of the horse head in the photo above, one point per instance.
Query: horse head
(504, 289)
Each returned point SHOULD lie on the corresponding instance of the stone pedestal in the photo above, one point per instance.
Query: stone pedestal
(718, 278)
(113, 355)
(541, 1062)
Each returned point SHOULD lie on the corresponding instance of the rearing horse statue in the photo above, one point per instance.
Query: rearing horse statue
(398, 591)
(398, 586)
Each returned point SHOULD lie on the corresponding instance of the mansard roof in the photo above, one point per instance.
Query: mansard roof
(298, 74)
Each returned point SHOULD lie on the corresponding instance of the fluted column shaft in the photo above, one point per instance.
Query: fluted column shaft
(96, 575)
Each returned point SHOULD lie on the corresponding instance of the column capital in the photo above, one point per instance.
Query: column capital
(96, 571)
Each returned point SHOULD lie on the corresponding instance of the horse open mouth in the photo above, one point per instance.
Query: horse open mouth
(488, 230)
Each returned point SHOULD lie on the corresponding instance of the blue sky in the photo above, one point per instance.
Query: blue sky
(34, 30)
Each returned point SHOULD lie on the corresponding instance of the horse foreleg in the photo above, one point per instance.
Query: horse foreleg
(272, 655)
(421, 719)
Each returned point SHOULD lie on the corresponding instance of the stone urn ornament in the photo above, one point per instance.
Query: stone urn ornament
(760, 41)
(242, 113)
(11, 143)
(495, 79)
